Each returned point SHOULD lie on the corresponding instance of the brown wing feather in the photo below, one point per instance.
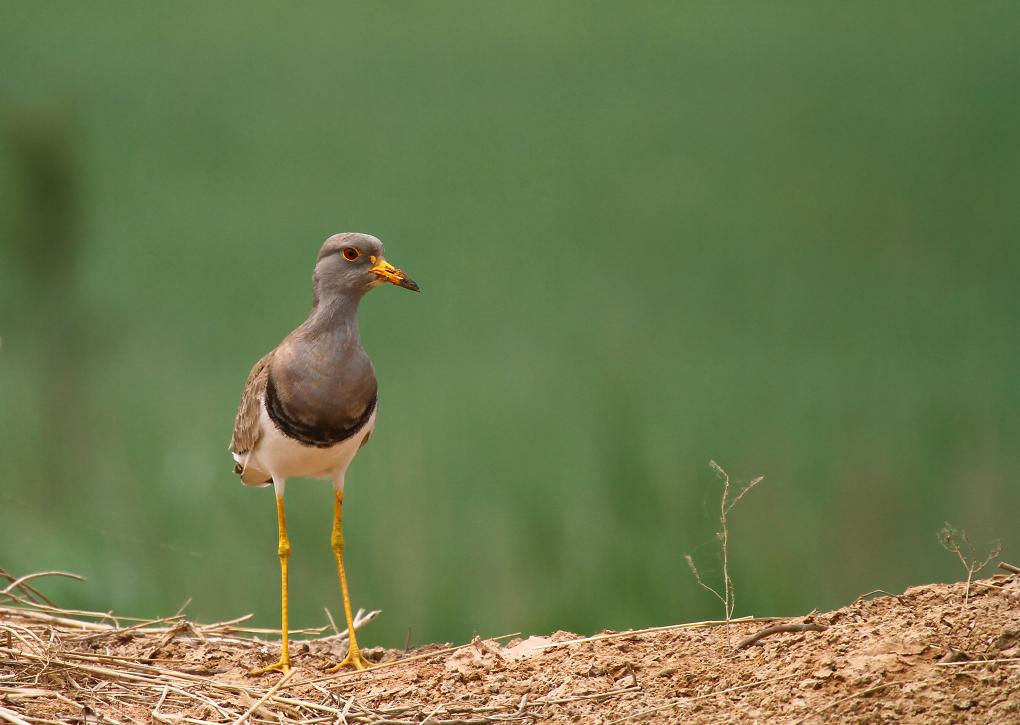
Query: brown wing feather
(246, 425)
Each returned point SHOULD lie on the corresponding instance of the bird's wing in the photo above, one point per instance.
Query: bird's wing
(247, 430)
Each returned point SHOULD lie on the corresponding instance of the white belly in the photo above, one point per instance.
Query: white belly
(281, 457)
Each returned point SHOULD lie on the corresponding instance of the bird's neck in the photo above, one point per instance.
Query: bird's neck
(323, 364)
(334, 318)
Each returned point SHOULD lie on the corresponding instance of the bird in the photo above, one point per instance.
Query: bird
(309, 405)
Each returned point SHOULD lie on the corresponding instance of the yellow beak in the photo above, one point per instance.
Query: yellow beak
(385, 270)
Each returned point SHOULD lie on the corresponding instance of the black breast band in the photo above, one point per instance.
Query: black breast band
(320, 436)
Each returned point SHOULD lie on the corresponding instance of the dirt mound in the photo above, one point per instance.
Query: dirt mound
(932, 654)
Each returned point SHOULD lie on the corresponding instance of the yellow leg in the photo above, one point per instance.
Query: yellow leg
(353, 657)
(284, 551)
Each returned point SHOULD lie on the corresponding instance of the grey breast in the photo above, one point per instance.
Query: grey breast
(321, 388)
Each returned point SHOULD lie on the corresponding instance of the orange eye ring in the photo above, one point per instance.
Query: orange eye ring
(351, 253)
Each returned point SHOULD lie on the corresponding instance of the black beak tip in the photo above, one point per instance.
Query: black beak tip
(408, 283)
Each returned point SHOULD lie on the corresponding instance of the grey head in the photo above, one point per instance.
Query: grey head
(349, 265)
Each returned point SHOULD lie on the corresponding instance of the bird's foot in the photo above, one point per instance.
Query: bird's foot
(353, 659)
(282, 666)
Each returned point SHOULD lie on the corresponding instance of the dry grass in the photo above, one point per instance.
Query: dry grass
(958, 543)
(930, 659)
(60, 666)
(57, 655)
(726, 504)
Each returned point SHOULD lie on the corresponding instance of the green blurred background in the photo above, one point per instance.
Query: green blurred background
(781, 236)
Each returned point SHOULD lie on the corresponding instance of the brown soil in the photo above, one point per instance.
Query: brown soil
(924, 656)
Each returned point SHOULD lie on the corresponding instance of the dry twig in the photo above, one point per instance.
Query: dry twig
(666, 628)
(776, 629)
(727, 597)
(957, 542)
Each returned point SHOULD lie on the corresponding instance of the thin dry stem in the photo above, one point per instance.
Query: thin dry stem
(12, 717)
(701, 582)
(958, 543)
(726, 504)
(666, 628)
(17, 583)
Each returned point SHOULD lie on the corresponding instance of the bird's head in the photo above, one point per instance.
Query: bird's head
(353, 263)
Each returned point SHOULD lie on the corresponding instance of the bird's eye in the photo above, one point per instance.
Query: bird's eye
(351, 253)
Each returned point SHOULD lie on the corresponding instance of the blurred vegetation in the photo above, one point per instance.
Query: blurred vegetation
(782, 236)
